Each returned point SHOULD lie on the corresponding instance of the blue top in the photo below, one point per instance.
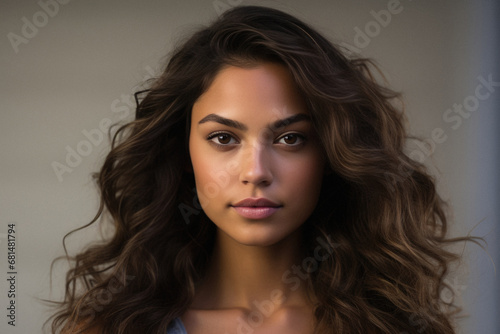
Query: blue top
(176, 327)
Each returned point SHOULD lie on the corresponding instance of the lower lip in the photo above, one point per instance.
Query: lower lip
(255, 212)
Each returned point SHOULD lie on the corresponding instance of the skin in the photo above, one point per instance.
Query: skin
(239, 149)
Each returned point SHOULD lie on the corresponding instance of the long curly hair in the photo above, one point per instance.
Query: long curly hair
(378, 208)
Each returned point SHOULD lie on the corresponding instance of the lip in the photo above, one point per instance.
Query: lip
(257, 202)
(256, 208)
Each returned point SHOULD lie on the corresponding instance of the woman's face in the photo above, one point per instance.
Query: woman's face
(257, 162)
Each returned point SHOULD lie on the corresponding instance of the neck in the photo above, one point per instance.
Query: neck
(241, 276)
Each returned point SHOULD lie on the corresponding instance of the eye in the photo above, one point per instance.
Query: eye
(291, 139)
(222, 138)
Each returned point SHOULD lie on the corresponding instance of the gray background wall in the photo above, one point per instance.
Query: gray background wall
(65, 71)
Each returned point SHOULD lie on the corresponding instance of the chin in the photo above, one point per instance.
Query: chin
(258, 237)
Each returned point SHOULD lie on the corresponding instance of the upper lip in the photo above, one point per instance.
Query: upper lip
(255, 202)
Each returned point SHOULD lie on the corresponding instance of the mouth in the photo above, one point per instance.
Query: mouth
(256, 208)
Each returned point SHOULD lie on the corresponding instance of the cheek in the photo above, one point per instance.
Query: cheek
(200, 165)
(304, 179)
(211, 176)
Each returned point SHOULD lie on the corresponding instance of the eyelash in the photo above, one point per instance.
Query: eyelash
(213, 135)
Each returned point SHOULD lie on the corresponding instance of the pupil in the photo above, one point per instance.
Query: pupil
(290, 139)
(224, 139)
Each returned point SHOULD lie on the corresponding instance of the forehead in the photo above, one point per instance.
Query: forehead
(264, 90)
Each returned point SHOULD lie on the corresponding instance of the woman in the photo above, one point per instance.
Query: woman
(263, 188)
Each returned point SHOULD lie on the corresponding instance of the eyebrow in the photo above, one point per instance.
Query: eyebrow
(240, 126)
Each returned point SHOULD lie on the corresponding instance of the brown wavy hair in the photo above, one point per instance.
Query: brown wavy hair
(377, 206)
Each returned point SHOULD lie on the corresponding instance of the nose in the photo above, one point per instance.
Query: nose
(256, 166)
